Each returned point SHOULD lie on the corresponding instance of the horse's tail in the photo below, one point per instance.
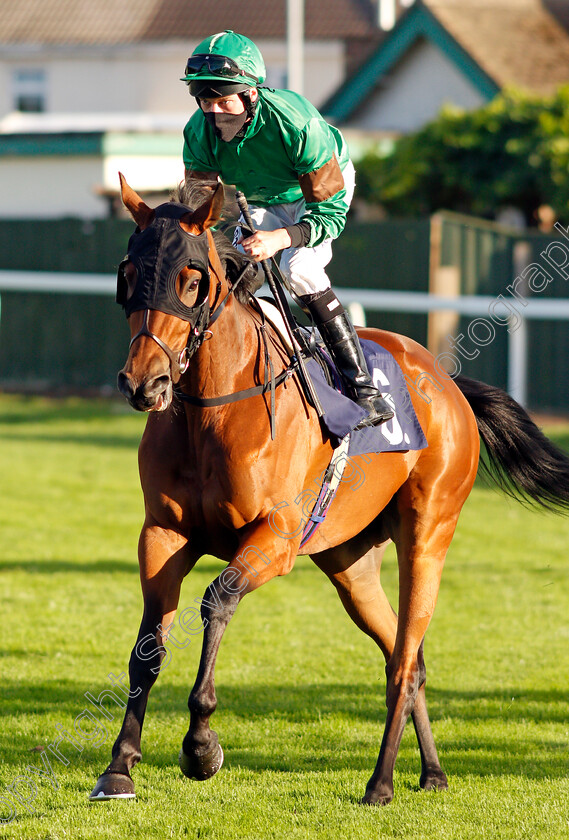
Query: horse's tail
(519, 458)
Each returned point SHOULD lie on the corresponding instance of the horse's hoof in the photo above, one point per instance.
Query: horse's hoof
(374, 797)
(112, 786)
(434, 780)
(201, 767)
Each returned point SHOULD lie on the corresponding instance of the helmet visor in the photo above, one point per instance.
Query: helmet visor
(217, 65)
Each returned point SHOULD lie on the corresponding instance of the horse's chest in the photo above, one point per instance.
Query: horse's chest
(220, 497)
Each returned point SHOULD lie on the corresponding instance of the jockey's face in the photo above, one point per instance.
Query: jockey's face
(232, 104)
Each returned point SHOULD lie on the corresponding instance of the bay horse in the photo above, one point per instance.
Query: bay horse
(214, 482)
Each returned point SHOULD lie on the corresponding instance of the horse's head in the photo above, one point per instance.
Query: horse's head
(164, 287)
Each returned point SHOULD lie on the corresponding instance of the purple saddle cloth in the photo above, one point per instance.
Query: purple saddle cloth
(341, 414)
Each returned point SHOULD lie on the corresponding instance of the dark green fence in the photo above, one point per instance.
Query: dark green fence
(389, 255)
(490, 258)
(54, 342)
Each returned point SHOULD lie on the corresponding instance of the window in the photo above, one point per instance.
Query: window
(29, 90)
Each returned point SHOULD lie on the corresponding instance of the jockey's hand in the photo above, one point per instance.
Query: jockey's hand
(265, 243)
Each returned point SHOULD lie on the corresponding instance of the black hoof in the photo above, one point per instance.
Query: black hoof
(112, 786)
(201, 767)
(380, 795)
(376, 800)
(433, 780)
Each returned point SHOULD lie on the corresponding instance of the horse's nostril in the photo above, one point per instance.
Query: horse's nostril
(157, 385)
(125, 385)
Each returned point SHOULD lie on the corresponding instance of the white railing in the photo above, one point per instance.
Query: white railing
(55, 281)
(477, 306)
(369, 299)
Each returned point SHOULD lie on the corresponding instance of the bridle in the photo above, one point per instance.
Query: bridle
(155, 291)
(199, 332)
(179, 359)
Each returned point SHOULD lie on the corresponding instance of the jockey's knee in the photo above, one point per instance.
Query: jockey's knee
(304, 271)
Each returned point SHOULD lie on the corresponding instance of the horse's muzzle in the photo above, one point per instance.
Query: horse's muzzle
(154, 394)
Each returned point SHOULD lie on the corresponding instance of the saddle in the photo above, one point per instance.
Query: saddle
(341, 414)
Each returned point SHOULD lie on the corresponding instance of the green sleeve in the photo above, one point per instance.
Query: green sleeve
(197, 151)
(327, 219)
(316, 145)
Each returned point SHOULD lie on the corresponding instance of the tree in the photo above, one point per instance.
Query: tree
(513, 151)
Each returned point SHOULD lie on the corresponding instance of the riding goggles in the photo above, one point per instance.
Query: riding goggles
(219, 65)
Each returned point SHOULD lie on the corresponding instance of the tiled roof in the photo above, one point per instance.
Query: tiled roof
(516, 42)
(127, 21)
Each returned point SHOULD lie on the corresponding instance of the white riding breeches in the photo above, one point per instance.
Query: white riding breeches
(303, 267)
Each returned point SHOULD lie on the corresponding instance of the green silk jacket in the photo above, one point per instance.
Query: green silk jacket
(287, 138)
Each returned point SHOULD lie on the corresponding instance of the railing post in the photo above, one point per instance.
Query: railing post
(517, 359)
(444, 280)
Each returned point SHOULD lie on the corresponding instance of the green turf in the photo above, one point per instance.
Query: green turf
(300, 689)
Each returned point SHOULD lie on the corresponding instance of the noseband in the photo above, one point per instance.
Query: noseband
(179, 360)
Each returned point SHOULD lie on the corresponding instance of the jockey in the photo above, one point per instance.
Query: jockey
(295, 170)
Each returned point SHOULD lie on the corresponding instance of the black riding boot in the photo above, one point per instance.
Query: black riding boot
(342, 341)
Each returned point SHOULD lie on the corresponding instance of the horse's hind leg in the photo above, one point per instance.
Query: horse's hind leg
(358, 585)
(422, 537)
(163, 563)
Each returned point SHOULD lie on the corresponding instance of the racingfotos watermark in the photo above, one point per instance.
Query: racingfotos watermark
(505, 310)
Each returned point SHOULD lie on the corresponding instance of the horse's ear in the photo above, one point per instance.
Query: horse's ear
(140, 212)
(209, 212)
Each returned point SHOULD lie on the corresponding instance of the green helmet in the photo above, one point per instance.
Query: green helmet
(226, 58)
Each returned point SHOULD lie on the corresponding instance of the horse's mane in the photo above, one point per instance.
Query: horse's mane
(192, 194)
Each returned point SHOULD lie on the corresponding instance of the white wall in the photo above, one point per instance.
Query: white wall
(144, 173)
(145, 77)
(51, 187)
(126, 78)
(414, 92)
(324, 67)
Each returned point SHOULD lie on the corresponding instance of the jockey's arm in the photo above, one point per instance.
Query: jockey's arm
(263, 244)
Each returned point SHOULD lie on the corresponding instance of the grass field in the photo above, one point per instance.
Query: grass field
(300, 689)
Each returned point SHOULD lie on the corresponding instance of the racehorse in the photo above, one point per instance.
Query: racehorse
(215, 482)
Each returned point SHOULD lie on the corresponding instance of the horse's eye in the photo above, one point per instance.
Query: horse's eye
(130, 276)
(187, 285)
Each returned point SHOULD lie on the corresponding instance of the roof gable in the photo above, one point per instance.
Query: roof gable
(517, 43)
(493, 43)
(417, 23)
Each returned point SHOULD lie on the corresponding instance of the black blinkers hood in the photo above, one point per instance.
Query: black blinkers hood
(159, 253)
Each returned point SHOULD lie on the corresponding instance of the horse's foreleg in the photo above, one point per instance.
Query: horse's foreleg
(163, 563)
(262, 558)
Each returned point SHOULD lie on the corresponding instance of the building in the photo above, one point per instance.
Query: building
(460, 52)
(88, 88)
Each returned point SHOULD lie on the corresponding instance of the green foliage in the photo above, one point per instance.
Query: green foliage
(301, 690)
(513, 151)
